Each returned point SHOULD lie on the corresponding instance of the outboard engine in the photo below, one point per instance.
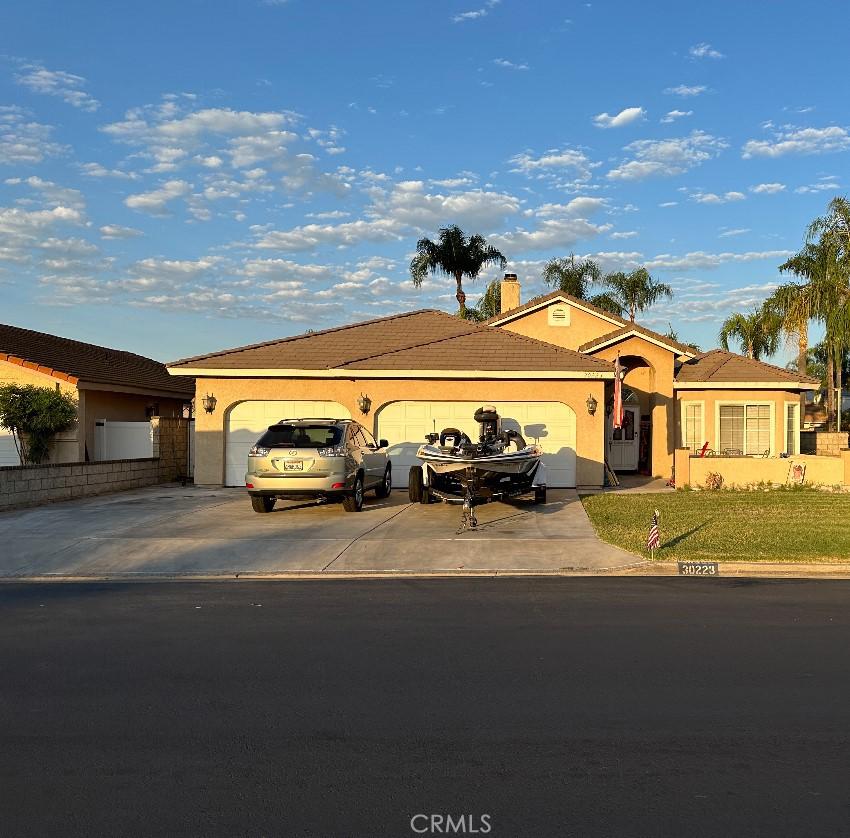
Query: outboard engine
(488, 418)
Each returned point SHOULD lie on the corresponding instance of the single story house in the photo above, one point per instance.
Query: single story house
(547, 365)
(108, 384)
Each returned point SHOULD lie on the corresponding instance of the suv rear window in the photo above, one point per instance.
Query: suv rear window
(301, 436)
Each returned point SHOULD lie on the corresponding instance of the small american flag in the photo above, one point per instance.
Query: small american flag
(654, 540)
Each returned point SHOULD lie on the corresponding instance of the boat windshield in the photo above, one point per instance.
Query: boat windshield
(301, 435)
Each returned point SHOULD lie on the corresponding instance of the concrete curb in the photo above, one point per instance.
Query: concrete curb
(771, 570)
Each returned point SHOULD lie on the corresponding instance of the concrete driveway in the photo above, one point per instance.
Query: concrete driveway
(168, 530)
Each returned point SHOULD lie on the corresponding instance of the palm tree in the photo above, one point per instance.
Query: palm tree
(488, 305)
(757, 333)
(573, 277)
(636, 291)
(674, 335)
(453, 255)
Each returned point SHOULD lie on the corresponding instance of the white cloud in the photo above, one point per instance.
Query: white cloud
(51, 194)
(686, 90)
(624, 234)
(791, 140)
(624, 117)
(23, 141)
(566, 168)
(311, 236)
(669, 204)
(702, 260)
(704, 51)
(667, 157)
(154, 202)
(767, 188)
(736, 231)
(714, 198)
(98, 170)
(827, 183)
(476, 14)
(115, 231)
(672, 116)
(20, 222)
(550, 234)
(509, 65)
(66, 86)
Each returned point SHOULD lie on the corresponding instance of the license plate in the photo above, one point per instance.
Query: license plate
(293, 465)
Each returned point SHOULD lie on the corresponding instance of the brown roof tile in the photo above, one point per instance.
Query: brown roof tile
(681, 348)
(76, 361)
(424, 340)
(721, 367)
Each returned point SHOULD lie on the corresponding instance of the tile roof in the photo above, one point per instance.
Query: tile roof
(75, 361)
(611, 337)
(721, 367)
(426, 340)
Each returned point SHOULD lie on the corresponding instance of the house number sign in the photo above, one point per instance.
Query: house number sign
(698, 569)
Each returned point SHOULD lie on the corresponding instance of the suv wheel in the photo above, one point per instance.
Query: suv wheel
(261, 503)
(386, 485)
(354, 501)
(540, 494)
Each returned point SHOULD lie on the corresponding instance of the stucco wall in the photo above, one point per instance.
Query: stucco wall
(67, 447)
(583, 327)
(749, 471)
(209, 428)
(710, 398)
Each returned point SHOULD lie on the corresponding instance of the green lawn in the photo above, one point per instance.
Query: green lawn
(786, 526)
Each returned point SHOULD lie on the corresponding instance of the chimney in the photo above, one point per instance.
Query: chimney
(508, 293)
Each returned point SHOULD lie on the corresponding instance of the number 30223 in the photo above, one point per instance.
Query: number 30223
(698, 569)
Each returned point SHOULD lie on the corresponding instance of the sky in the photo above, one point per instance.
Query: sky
(177, 178)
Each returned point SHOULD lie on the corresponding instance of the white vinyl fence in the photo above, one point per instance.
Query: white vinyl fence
(122, 440)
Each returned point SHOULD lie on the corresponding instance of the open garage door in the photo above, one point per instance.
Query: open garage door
(248, 420)
(551, 424)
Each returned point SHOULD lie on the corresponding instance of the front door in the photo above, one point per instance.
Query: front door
(623, 442)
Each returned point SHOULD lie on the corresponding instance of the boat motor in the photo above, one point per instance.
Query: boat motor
(488, 418)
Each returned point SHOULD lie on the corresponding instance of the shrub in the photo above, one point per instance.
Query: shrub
(713, 480)
(35, 415)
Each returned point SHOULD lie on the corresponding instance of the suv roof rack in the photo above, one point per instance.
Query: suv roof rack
(312, 419)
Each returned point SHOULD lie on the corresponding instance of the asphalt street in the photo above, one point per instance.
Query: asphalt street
(554, 707)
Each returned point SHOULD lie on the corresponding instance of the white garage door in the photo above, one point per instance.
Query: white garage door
(8, 452)
(551, 424)
(248, 421)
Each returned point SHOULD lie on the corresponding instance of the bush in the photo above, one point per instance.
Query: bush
(35, 415)
(713, 480)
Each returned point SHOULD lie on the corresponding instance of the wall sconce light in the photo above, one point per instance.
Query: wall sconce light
(364, 403)
(209, 402)
(591, 404)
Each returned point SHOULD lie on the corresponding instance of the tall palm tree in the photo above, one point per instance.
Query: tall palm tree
(756, 332)
(636, 291)
(574, 276)
(455, 255)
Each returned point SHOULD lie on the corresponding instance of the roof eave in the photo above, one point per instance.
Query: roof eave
(353, 372)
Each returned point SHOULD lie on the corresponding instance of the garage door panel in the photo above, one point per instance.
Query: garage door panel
(8, 451)
(248, 420)
(550, 424)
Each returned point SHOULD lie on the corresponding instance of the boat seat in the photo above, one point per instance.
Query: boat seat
(453, 438)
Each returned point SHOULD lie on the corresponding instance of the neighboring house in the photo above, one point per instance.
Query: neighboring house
(108, 384)
(546, 365)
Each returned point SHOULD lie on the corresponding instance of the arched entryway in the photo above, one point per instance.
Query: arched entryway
(630, 448)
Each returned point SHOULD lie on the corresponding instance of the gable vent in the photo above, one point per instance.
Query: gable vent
(559, 316)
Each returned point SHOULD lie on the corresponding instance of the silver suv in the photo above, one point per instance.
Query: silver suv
(323, 458)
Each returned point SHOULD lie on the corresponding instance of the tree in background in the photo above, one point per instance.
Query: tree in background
(757, 333)
(455, 255)
(488, 305)
(575, 276)
(674, 335)
(636, 291)
(34, 415)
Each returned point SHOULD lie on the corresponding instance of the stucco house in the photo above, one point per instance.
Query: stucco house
(108, 384)
(547, 365)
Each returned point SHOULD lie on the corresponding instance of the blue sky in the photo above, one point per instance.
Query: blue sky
(177, 178)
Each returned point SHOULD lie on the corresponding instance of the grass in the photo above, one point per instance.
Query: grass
(733, 526)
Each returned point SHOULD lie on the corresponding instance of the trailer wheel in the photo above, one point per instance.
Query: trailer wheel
(417, 491)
